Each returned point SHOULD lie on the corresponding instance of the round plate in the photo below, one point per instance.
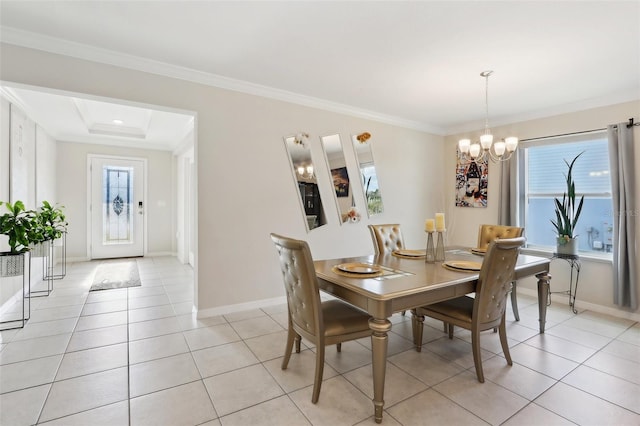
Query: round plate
(359, 268)
(479, 251)
(463, 265)
(411, 253)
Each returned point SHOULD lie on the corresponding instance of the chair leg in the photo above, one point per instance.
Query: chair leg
(450, 330)
(317, 382)
(339, 347)
(288, 347)
(477, 358)
(514, 301)
(298, 339)
(445, 327)
(504, 343)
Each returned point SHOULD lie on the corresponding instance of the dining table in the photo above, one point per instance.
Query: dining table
(383, 284)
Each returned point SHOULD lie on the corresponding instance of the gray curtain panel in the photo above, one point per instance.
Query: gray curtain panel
(625, 267)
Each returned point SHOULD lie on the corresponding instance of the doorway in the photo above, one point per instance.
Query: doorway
(117, 206)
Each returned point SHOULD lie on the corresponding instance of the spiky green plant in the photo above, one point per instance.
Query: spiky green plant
(567, 212)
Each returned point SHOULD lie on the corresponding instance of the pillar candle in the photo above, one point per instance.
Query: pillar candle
(430, 225)
(440, 222)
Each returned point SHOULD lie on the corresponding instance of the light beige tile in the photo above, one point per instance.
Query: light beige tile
(583, 408)
(516, 378)
(55, 313)
(620, 367)
(479, 398)
(148, 301)
(621, 349)
(300, 371)
(187, 404)
(157, 347)
(534, 415)
(243, 315)
(340, 403)
(561, 347)
(430, 407)
(107, 295)
(92, 361)
(107, 415)
(253, 327)
(23, 407)
(223, 358)
(84, 393)
(102, 320)
(184, 308)
(353, 355)
(104, 307)
(163, 373)
(455, 350)
(191, 321)
(23, 350)
(542, 361)
(426, 366)
(396, 343)
(214, 335)
(151, 313)
(97, 337)
(398, 384)
(613, 389)
(25, 374)
(276, 412)
(46, 328)
(153, 328)
(582, 337)
(270, 346)
(631, 335)
(242, 388)
(143, 291)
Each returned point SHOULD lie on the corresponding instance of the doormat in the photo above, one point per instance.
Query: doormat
(116, 274)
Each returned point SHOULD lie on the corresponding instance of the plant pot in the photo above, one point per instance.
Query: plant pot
(11, 264)
(39, 249)
(569, 246)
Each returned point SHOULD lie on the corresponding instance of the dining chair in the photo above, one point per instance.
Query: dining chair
(488, 233)
(322, 323)
(484, 311)
(386, 238)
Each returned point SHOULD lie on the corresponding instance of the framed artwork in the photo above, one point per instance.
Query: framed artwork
(472, 180)
(340, 181)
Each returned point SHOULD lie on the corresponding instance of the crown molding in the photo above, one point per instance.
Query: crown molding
(59, 46)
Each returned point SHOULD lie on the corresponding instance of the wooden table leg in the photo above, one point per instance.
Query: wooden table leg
(544, 285)
(379, 343)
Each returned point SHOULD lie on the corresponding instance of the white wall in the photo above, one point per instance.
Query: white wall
(595, 286)
(245, 189)
(46, 167)
(72, 193)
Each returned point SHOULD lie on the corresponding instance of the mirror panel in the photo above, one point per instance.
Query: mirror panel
(368, 175)
(304, 174)
(342, 190)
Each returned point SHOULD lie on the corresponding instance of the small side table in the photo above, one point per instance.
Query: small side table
(574, 262)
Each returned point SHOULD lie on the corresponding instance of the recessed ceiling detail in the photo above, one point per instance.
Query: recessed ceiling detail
(103, 118)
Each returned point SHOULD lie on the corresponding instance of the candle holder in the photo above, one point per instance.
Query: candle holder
(430, 256)
(439, 255)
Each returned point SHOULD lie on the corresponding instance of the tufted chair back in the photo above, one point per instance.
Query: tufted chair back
(301, 285)
(488, 233)
(495, 280)
(386, 238)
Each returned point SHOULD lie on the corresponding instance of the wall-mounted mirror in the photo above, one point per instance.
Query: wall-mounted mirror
(304, 174)
(368, 176)
(338, 169)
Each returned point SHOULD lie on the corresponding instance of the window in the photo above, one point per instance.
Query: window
(543, 179)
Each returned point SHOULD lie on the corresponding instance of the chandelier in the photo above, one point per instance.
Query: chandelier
(486, 148)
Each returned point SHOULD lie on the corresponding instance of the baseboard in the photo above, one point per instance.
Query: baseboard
(229, 309)
(633, 316)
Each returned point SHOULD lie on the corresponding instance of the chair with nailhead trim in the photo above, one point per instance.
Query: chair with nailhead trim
(322, 323)
(486, 310)
(386, 238)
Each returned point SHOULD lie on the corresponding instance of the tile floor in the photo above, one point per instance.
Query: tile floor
(138, 356)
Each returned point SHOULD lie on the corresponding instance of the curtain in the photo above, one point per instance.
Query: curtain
(625, 268)
(508, 206)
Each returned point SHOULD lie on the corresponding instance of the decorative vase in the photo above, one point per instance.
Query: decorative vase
(567, 246)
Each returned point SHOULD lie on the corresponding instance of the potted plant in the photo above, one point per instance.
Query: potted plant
(567, 214)
(53, 221)
(16, 224)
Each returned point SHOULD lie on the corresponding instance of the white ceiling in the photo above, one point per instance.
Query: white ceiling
(415, 64)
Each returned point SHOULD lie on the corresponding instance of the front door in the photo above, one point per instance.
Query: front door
(117, 207)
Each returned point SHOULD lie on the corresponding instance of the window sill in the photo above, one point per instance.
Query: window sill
(590, 256)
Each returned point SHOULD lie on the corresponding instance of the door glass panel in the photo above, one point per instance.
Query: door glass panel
(117, 226)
